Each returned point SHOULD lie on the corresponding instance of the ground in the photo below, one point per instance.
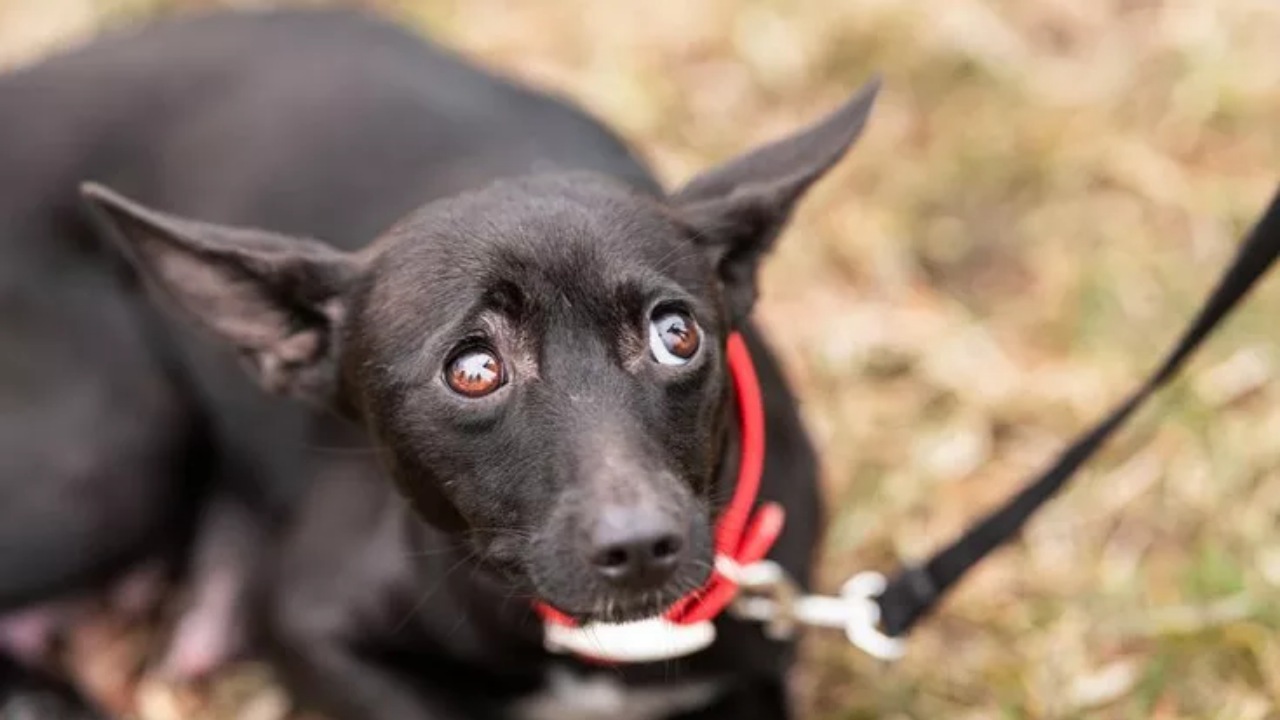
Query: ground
(1044, 194)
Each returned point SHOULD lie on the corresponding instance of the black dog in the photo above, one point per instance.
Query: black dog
(538, 355)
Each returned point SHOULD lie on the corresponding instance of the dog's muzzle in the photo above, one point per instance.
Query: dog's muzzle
(742, 538)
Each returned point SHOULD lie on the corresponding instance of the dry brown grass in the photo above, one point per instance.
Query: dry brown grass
(1045, 192)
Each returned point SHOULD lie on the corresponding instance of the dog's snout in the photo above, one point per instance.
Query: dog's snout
(636, 547)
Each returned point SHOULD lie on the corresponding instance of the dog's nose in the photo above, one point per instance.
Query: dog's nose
(636, 548)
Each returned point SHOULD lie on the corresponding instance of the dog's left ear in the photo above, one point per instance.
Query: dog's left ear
(736, 211)
(278, 300)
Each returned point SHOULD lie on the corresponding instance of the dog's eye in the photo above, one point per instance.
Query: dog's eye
(475, 373)
(673, 337)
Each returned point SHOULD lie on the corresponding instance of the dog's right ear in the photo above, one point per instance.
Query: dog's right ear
(278, 300)
(736, 211)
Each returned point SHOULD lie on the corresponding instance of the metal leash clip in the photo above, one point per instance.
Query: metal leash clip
(768, 595)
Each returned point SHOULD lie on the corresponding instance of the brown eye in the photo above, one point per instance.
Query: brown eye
(474, 373)
(673, 337)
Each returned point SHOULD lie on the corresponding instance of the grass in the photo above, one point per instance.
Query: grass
(1044, 195)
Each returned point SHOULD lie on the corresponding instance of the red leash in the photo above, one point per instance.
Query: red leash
(741, 537)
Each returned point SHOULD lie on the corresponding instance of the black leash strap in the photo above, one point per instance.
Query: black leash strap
(914, 591)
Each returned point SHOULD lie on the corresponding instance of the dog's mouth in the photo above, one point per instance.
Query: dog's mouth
(622, 610)
(611, 606)
(604, 607)
(611, 611)
(552, 568)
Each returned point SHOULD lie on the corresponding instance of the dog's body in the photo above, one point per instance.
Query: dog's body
(335, 126)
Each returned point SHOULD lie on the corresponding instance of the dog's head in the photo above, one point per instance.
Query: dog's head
(541, 361)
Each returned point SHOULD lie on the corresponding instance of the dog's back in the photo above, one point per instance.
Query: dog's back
(272, 118)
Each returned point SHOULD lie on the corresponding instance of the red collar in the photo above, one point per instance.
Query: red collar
(741, 538)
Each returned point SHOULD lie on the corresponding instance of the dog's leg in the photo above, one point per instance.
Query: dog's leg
(211, 627)
(326, 672)
(330, 592)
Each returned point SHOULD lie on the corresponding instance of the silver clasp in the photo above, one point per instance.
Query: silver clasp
(769, 596)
